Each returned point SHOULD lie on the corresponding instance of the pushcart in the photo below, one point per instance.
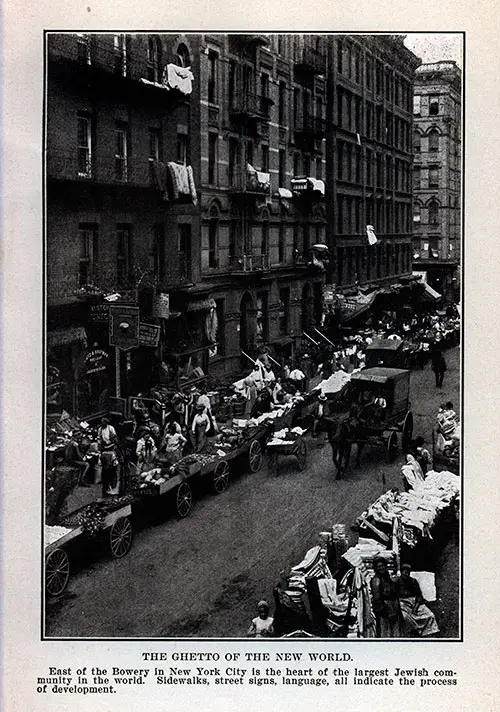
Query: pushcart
(115, 524)
(291, 444)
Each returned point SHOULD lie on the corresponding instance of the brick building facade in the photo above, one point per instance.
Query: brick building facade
(437, 176)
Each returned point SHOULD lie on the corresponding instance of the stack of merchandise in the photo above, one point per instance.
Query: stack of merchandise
(334, 384)
(285, 436)
(55, 533)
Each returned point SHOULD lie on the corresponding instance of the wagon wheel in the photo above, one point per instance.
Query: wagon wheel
(120, 537)
(407, 433)
(255, 456)
(392, 446)
(183, 500)
(56, 572)
(221, 477)
(301, 453)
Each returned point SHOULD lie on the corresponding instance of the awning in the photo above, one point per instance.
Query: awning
(284, 193)
(431, 293)
(352, 307)
(304, 185)
(62, 337)
(201, 305)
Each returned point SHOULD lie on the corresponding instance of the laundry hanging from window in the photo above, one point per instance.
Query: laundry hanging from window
(258, 179)
(180, 183)
(370, 233)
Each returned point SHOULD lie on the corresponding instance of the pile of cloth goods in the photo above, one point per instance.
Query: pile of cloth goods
(60, 432)
(418, 509)
(448, 431)
(53, 534)
(334, 384)
(156, 476)
(228, 439)
(286, 435)
(276, 412)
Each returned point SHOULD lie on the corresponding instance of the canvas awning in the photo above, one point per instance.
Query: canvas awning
(431, 293)
(308, 184)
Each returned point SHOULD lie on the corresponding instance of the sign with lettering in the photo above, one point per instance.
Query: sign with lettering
(149, 334)
(161, 306)
(96, 361)
(124, 326)
(99, 313)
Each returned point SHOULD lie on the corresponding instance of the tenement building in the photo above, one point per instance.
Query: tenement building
(200, 189)
(437, 176)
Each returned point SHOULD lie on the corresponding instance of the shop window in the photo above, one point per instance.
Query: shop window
(88, 253)
(434, 105)
(212, 76)
(159, 251)
(84, 145)
(120, 44)
(433, 213)
(121, 151)
(182, 56)
(123, 254)
(284, 311)
(213, 140)
(154, 59)
(183, 148)
(433, 141)
(83, 48)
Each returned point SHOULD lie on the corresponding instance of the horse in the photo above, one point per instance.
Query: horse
(341, 436)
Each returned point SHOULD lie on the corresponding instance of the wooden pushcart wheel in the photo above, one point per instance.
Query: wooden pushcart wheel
(56, 572)
(120, 537)
(255, 456)
(183, 500)
(392, 446)
(221, 477)
(301, 454)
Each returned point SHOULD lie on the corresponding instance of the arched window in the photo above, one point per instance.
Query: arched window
(213, 229)
(154, 58)
(182, 56)
(416, 142)
(433, 213)
(416, 212)
(433, 141)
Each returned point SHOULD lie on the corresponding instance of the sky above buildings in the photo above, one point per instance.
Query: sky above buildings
(435, 46)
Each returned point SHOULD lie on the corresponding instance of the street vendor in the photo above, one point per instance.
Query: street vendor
(278, 394)
(319, 415)
(106, 435)
(418, 619)
(257, 376)
(385, 601)
(199, 428)
(269, 377)
(262, 404)
(173, 443)
(146, 452)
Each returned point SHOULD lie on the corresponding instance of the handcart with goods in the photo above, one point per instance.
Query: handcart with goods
(212, 465)
(287, 443)
(109, 518)
(445, 454)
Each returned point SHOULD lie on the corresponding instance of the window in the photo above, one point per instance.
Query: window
(264, 93)
(234, 160)
(416, 178)
(319, 108)
(121, 151)
(262, 320)
(369, 120)
(434, 105)
(154, 144)
(282, 239)
(183, 148)
(123, 254)
(433, 213)
(182, 56)
(213, 227)
(264, 164)
(357, 66)
(369, 168)
(185, 250)
(306, 246)
(159, 251)
(264, 242)
(121, 54)
(340, 57)
(433, 176)
(357, 164)
(232, 83)
(433, 248)
(340, 160)
(233, 237)
(212, 76)
(296, 164)
(319, 168)
(83, 48)
(212, 158)
(88, 245)
(416, 213)
(154, 59)
(284, 310)
(281, 45)
(369, 73)
(433, 141)
(249, 152)
(282, 168)
(282, 103)
(307, 165)
(221, 337)
(84, 148)
(416, 104)
(416, 142)
(296, 106)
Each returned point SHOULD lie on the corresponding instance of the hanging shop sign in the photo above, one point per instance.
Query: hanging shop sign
(96, 361)
(149, 334)
(99, 313)
(161, 306)
(124, 326)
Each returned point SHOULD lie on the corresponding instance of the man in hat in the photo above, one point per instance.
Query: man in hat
(320, 412)
(106, 435)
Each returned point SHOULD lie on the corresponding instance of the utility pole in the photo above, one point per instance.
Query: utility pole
(330, 192)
